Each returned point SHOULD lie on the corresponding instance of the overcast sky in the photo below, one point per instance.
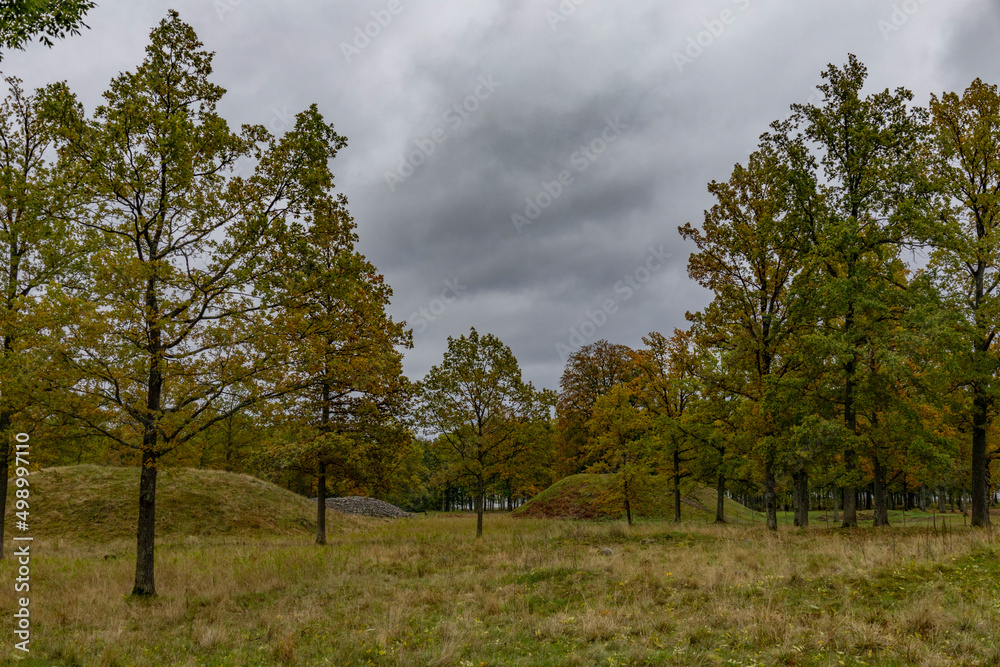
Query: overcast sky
(522, 166)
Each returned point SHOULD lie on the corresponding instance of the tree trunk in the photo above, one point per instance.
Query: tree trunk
(5, 459)
(851, 422)
(321, 466)
(836, 504)
(801, 483)
(881, 512)
(770, 500)
(321, 503)
(677, 486)
(145, 536)
(480, 494)
(850, 508)
(720, 499)
(980, 485)
(628, 510)
(146, 533)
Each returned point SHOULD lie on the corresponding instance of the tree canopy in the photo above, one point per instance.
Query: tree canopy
(23, 20)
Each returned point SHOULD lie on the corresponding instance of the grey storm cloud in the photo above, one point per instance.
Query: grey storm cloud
(478, 108)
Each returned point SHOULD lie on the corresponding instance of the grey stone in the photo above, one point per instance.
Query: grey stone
(366, 507)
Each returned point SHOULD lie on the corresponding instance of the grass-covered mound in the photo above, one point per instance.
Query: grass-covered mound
(588, 496)
(99, 504)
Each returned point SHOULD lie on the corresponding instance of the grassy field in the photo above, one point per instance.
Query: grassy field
(423, 591)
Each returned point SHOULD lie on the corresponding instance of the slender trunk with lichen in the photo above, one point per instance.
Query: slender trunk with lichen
(980, 461)
(146, 533)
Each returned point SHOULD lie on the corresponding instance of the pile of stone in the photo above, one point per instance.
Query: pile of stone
(366, 507)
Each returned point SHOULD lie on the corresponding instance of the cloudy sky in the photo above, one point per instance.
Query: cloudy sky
(522, 166)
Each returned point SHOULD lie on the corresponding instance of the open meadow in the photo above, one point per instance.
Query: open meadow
(424, 591)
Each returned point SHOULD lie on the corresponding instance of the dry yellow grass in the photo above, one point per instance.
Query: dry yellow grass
(532, 592)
